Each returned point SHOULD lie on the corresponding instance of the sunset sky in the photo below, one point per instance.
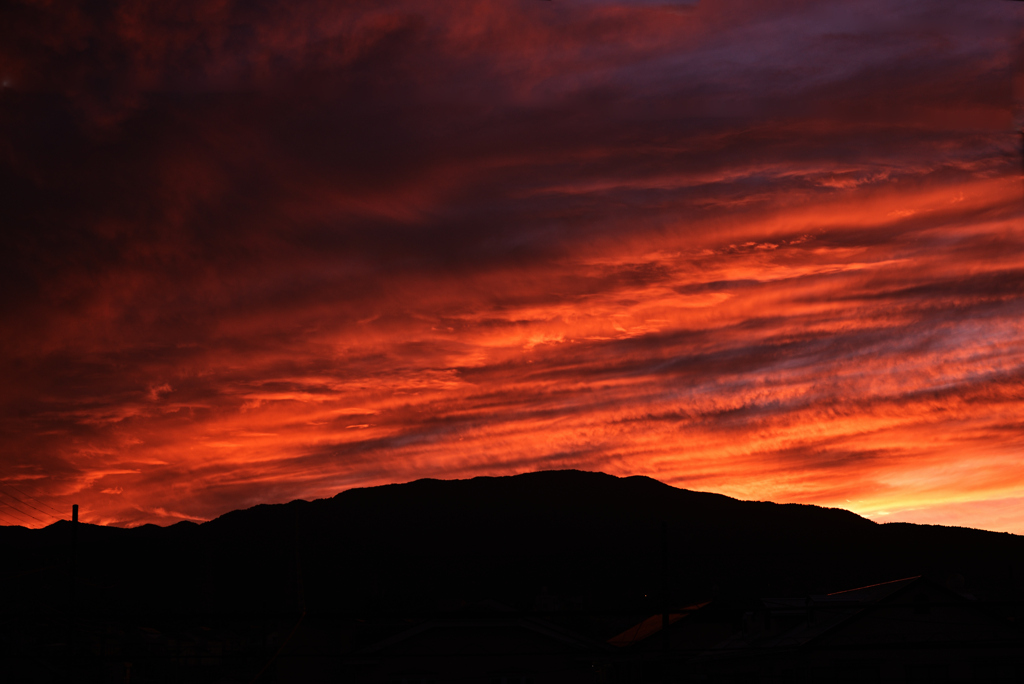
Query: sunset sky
(260, 251)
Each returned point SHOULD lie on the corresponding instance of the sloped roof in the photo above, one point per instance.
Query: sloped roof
(830, 611)
(870, 593)
(650, 626)
(972, 623)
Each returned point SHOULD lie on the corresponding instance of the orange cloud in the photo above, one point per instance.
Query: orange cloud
(767, 249)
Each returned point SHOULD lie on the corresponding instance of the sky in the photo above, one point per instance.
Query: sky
(260, 251)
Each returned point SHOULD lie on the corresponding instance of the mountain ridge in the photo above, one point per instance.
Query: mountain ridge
(595, 541)
(489, 479)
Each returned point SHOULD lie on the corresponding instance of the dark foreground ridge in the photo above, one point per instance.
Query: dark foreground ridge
(588, 555)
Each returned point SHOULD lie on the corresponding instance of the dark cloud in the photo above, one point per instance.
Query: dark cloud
(260, 251)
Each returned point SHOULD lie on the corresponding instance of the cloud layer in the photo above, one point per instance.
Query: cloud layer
(262, 251)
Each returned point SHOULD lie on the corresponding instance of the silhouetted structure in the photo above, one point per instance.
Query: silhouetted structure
(557, 576)
(910, 630)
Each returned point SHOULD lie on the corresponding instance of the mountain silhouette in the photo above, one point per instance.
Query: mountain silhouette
(552, 542)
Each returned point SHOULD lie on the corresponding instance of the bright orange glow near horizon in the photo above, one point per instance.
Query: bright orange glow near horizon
(772, 249)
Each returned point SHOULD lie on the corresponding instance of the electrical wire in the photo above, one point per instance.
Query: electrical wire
(10, 486)
(16, 513)
(10, 520)
(25, 503)
(22, 512)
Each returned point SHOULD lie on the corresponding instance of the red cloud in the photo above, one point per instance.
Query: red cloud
(268, 252)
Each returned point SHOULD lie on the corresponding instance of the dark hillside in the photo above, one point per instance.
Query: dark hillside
(564, 540)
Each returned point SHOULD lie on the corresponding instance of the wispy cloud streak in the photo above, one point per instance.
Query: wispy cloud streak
(260, 252)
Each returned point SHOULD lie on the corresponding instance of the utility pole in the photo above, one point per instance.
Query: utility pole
(72, 589)
(665, 600)
(664, 672)
(74, 554)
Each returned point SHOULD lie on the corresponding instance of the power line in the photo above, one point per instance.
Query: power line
(22, 512)
(17, 520)
(19, 511)
(10, 486)
(25, 503)
(10, 520)
(13, 511)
